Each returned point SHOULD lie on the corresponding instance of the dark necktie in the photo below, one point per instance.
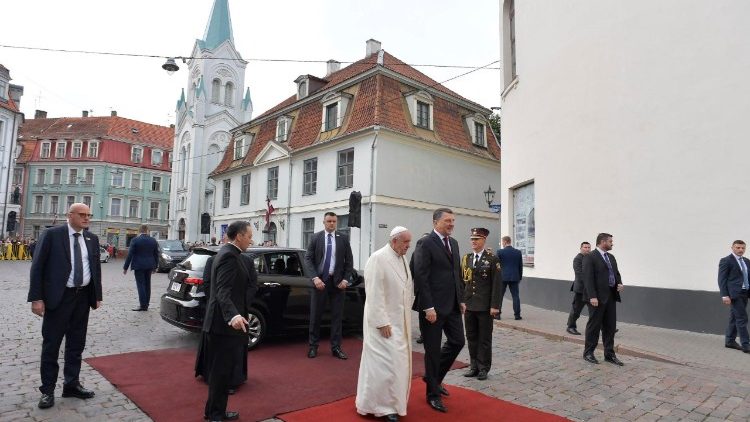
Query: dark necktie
(447, 247)
(611, 272)
(743, 267)
(77, 262)
(476, 259)
(327, 261)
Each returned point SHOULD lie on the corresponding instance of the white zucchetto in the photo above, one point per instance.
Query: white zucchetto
(398, 230)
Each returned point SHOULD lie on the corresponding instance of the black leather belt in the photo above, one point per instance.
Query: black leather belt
(77, 288)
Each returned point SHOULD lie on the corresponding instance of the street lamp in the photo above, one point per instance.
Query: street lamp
(489, 195)
(170, 66)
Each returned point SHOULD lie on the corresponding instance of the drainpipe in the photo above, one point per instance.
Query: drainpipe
(289, 201)
(7, 184)
(372, 187)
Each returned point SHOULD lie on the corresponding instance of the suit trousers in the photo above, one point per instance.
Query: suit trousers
(513, 286)
(221, 352)
(602, 318)
(70, 320)
(479, 326)
(317, 306)
(738, 320)
(143, 283)
(437, 360)
(575, 311)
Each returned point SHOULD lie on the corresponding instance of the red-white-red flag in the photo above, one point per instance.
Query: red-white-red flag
(269, 211)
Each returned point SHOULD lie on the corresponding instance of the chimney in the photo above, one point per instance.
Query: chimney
(85, 113)
(373, 46)
(40, 114)
(171, 126)
(333, 66)
(113, 113)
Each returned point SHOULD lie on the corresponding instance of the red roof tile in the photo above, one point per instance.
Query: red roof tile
(9, 105)
(27, 149)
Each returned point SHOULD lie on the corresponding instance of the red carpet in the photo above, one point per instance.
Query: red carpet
(281, 379)
(462, 405)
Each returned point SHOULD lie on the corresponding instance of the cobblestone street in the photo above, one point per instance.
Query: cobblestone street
(528, 369)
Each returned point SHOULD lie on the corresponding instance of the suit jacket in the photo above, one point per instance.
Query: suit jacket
(248, 264)
(231, 278)
(596, 277)
(577, 285)
(511, 263)
(51, 267)
(143, 253)
(730, 276)
(482, 281)
(316, 254)
(437, 275)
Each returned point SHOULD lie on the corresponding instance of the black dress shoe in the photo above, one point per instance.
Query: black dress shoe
(733, 345)
(572, 330)
(443, 391)
(590, 358)
(312, 352)
(139, 309)
(337, 352)
(518, 318)
(746, 349)
(77, 391)
(393, 417)
(482, 375)
(47, 401)
(614, 360)
(473, 372)
(437, 404)
(420, 340)
(228, 416)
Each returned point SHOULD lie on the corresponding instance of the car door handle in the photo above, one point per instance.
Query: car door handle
(272, 284)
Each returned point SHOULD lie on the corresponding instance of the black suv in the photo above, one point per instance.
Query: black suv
(170, 253)
(281, 304)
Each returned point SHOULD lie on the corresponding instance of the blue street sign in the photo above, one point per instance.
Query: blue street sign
(495, 208)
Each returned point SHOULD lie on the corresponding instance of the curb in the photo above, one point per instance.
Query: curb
(619, 348)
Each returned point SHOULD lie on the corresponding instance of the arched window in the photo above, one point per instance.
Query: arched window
(269, 237)
(229, 94)
(183, 166)
(215, 90)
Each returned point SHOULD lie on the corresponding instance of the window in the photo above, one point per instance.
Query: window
(169, 159)
(225, 193)
(75, 152)
(229, 94)
(135, 181)
(245, 192)
(345, 177)
(40, 175)
(523, 221)
(133, 208)
(423, 115)
(269, 237)
(44, 151)
(93, 151)
(17, 176)
(239, 147)
(89, 176)
(156, 156)
(332, 116)
(273, 182)
(479, 133)
(308, 229)
(136, 154)
(509, 42)
(35, 232)
(215, 90)
(183, 166)
(282, 129)
(154, 211)
(114, 207)
(60, 150)
(421, 109)
(117, 177)
(3, 90)
(72, 176)
(342, 225)
(310, 177)
(71, 199)
(156, 184)
(38, 200)
(56, 176)
(302, 90)
(54, 204)
(86, 199)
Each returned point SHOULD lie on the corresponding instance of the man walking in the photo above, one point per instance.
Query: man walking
(329, 255)
(481, 275)
(65, 281)
(577, 289)
(733, 285)
(385, 368)
(439, 298)
(602, 286)
(143, 258)
(511, 264)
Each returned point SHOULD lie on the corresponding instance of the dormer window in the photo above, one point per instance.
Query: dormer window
(334, 110)
(93, 151)
(332, 116)
(282, 128)
(479, 134)
(136, 154)
(45, 149)
(301, 89)
(423, 115)
(477, 130)
(75, 152)
(241, 145)
(60, 150)
(156, 157)
(420, 107)
(3, 90)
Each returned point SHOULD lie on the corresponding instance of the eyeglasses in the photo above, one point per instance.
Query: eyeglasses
(83, 214)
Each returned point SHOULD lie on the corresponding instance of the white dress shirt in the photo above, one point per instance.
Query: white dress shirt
(84, 257)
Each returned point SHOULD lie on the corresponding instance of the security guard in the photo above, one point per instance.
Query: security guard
(481, 274)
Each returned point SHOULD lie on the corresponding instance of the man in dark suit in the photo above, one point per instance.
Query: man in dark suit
(481, 276)
(65, 282)
(602, 286)
(733, 285)
(225, 324)
(329, 255)
(577, 289)
(511, 264)
(439, 295)
(143, 258)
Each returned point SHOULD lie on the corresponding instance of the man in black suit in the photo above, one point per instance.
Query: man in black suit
(225, 323)
(329, 255)
(733, 285)
(511, 264)
(439, 295)
(143, 258)
(577, 289)
(602, 286)
(65, 281)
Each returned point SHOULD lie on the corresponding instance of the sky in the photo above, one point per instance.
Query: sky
(441, 32)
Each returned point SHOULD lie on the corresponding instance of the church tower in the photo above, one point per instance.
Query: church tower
(214, 102)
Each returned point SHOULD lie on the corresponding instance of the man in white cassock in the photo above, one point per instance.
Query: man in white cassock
(385, 369)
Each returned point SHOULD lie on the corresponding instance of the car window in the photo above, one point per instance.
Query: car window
(260, 264)
(195, 262)
(171, 245)
(286, 263)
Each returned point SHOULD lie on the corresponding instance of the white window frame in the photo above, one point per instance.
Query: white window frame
(226, 193)
(67, 201)
(86, 199)
(56, 176)
(111, 204)
(58, 146)
(341, 102)
(76, 149)
(272, 184)
(86, 178)
(93, 149)
(153, 179)
(245, 181)
(312, 183)
(44, 149)
(54, 204)
(472, 122)
(151, 210)
(121, 175)
(136, 154)
(38, 204)
(155, 153)
(425, 98)
(73, 176)
(137, 210)
(283, 124)
(140, 181)
(340, 166)
(43, 173)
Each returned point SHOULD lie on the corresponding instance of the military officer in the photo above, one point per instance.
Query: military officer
(481, 274)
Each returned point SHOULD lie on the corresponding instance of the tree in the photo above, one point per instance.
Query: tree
(495, 125)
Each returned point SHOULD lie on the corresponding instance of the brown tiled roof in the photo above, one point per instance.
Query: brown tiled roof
(27, 150)
(9, 105)
(108, 127)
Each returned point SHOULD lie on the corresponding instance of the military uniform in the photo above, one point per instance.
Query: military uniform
(481, 275)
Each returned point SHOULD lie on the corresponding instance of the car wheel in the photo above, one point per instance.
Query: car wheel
(256, 329)
(106, 260)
